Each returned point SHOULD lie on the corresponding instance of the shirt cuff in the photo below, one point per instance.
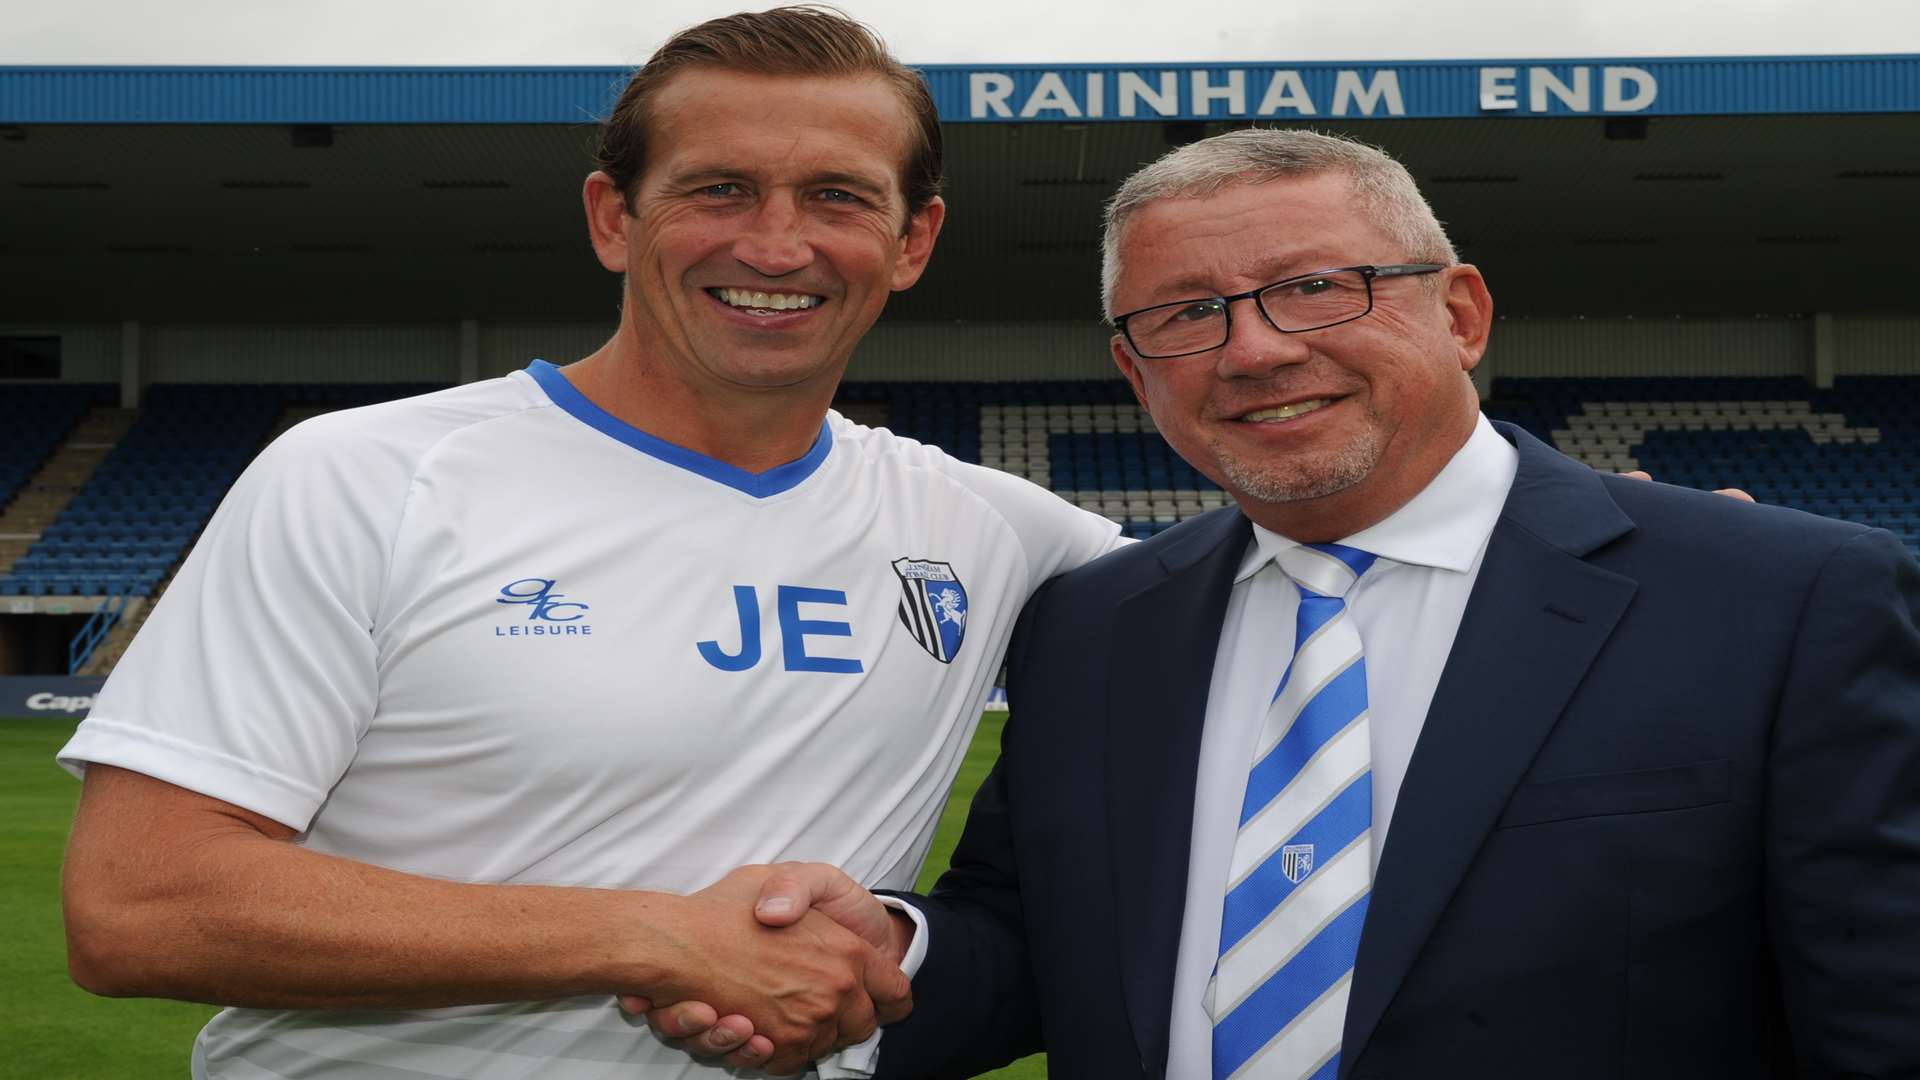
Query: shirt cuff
(917, 948)
(858, 1062)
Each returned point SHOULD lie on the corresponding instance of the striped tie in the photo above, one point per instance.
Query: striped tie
(1302, 862)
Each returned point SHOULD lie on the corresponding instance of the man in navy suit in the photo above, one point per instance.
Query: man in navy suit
(1440, 755)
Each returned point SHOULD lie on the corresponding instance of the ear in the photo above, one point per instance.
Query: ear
(1469, 313)
(1129, 365)
(606, 220)
(923, 228)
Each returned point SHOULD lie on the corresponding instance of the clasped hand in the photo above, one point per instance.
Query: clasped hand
(796, 960)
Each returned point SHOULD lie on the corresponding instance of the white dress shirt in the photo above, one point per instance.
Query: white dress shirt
(1407, 608)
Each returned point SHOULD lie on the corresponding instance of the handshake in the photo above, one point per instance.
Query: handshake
(781, 965)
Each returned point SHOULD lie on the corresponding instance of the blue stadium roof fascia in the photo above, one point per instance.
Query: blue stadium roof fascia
(1033, 93)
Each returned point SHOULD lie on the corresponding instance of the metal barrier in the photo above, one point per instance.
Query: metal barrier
(98, 626)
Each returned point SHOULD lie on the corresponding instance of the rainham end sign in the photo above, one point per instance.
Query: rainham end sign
(1286, 93)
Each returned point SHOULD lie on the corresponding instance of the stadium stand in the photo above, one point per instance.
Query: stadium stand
(135, 517)
(1850, 452)
(1087, 441)
(37, 418)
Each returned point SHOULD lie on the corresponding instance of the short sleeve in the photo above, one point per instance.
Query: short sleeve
(255, 677)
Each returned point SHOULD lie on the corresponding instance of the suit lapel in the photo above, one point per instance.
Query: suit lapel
(1165, 637)
(1537, 617)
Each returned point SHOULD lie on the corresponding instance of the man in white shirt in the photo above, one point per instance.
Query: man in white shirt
(457, 717)
(1439, 755)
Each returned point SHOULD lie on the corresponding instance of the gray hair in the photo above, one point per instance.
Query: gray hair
(1382, 188)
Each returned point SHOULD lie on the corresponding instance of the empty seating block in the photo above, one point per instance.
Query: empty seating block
(1087, 441)
(36, 417)
(136, 516)
(1851, 452)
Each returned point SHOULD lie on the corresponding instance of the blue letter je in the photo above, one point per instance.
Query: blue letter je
(794, 630)
(749, 607)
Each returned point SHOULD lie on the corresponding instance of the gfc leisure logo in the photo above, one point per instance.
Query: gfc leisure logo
(549, 613)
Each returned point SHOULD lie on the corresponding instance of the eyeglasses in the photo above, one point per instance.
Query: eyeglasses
(1292, 306)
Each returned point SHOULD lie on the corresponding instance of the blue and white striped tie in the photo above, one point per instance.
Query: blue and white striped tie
(1302, 862)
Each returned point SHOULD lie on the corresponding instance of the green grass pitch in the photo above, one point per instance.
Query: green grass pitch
(52, 1030)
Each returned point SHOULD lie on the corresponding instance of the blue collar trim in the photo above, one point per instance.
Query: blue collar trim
(759, 485)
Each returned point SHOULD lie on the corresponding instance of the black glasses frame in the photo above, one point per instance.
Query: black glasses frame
(1227, 302)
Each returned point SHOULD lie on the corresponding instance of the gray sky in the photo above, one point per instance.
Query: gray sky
(610, 32)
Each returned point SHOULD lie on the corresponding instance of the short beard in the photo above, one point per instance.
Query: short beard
(1281, 480)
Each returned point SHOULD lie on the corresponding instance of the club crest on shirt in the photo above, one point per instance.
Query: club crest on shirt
(1296, 862)
(933, 605)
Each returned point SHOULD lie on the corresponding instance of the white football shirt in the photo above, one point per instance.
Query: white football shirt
(494, 634)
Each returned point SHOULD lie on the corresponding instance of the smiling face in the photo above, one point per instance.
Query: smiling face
(767, 231)
(1319, 434)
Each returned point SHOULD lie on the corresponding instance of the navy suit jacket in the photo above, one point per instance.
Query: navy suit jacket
(1663, 819)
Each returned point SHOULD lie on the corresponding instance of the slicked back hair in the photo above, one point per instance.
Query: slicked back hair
(1383, 191)
(803, 39)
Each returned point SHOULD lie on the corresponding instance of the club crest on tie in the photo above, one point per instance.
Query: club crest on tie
(1296, 861)
(933, 605)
